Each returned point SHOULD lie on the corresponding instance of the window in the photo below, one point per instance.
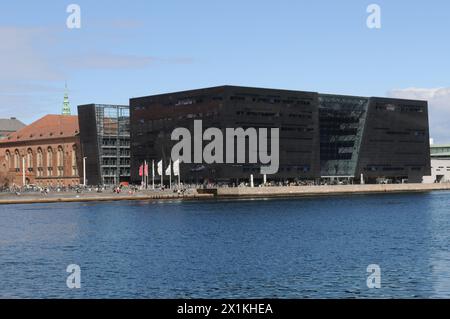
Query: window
(8, 159)
(49, 161)
(60, 157)
(40, 161)
(30, 160)
(17, 160)
(74, 161)
(60, 161)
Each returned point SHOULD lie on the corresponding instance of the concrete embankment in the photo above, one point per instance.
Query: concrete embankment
(299, 191)
(72, 198)
(245, 192)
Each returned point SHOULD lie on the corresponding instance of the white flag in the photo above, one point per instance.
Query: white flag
(153, 168)
(160, 168)
(176, 168)
(169, 170)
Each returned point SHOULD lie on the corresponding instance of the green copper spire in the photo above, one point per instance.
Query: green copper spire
(66, 105)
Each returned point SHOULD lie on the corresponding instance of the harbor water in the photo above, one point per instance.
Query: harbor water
(264, 248)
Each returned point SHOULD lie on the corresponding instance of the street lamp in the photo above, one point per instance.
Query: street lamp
(84, 171)
(24, 180)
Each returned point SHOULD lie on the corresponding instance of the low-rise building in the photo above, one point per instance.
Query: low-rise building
(44, 153)
(9, 126)
(440, 164)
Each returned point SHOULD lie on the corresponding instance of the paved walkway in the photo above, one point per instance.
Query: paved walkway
(244, 192)
(54, 197)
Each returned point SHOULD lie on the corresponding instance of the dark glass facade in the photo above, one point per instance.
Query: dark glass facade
(378, 138)
(342, 122)
(105, 142)
(396, 140)
(295, 114)
(321, 135)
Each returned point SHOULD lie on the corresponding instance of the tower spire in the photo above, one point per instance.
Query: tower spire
(66, 104)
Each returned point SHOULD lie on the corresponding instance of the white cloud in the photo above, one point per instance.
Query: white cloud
(439, 108)
(125, 23)
(34, 66)
(28, 75)
(22, 57)
(101, 60)
(107, 61)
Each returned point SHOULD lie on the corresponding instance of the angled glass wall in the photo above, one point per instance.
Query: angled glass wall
(342, 121)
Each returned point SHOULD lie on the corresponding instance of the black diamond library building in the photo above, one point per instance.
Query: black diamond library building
(321, 136)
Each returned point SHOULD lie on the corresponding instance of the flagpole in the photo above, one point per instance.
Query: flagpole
(145, 175)
(162, 174)
(153, 174)
(142, 182)
(170, 173)
(179, 174)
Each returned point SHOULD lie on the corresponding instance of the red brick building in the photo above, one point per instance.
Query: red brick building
(47, 151)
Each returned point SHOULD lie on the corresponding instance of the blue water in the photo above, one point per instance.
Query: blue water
(294, 248)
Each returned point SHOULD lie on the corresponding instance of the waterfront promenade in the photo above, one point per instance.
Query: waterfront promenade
(328, 190)
(236, 192)
(67, 197)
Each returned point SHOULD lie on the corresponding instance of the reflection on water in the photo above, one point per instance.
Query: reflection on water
(294, 248)
(440, 252)
(440, 264)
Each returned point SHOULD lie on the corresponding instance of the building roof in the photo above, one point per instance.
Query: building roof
(50, 126)
(226, 88)
(10, 125)
(440, 155)
(440, 151)
(261, 90)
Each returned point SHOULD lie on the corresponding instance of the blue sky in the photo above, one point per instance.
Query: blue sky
(140, 47)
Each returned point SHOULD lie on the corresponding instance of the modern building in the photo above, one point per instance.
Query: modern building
(44, 153)
(105, 141)
(440, 164)
(341, 122)
(322, 136)
(380, 139)
(9, 126)
(295, 113)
